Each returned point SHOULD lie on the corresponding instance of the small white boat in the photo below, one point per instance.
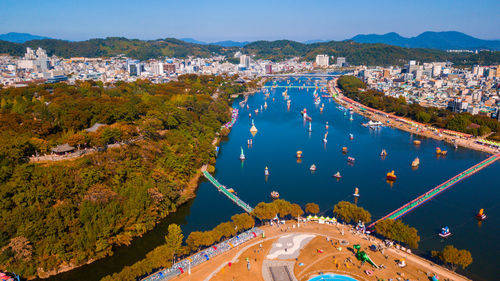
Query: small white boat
(266, 171)
(242, 155)
(310, 127)
(324, 139)
(312, 168)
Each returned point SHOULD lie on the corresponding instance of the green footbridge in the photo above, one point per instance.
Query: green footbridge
(226, 192)
(408, 207)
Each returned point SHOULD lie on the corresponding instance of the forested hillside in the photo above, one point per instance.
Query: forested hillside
(355, 53)
(70, 212)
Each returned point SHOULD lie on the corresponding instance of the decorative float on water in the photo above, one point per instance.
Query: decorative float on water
(391, 176)
(324, 139)
(441, 152)
(242, 155)
(417, 142)
(253, 129)
(326, 126)
(356, 192)
(275, 194)
(299, 154)
(481, 215)
(445, 232)
(266, 171)
(337, 175)
(383, 153)
(312, 168)
(351, 136)
(350, 159)
(344, 149)
(415, 162)
(310, 127)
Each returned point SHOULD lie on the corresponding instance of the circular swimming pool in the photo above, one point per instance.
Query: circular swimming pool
(332, 277)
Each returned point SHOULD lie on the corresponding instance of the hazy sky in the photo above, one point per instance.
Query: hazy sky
(247, 20)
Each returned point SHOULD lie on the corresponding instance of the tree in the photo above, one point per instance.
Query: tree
(453, 257)
(312, 208)
(398, 231)
(265, 211)
(296, 211)
(243, 221)
(349, 212)
(174, 238)
(423, 117)
(195, 240)
(283, 207)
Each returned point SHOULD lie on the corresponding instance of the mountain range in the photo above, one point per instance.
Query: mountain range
(227, 43)
(446, 40)
(16, 37)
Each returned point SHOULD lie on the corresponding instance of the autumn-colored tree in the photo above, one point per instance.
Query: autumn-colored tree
(349, 212)
(453, 257)
(398, 231)
(312, 208)
(243, 221)
(174, 238)
(296, 211)
(265, 211)
(284, 207)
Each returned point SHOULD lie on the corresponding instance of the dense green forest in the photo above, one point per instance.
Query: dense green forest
(439, 117)
(113, 46)
(363, 54)
(69, 212)
(355, 53)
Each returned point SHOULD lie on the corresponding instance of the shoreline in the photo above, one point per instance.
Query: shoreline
(216, 268)
(422, 131)
(188, 193)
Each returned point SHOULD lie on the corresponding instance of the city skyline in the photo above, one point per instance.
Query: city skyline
(259, 20)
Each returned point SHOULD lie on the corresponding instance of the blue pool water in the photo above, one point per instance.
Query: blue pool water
(332, 277)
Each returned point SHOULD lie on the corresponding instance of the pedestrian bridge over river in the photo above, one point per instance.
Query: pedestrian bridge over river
(408, 207)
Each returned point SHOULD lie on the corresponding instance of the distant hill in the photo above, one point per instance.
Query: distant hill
(20, 37)
(355, 53)
(314, 41)
(113, 46)
(447, 40)
(227, 43)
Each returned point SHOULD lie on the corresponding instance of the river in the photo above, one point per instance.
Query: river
(282, 132)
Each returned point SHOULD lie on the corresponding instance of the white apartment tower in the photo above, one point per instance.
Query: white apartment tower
(322, 60)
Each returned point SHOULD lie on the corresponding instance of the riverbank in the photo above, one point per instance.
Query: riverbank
(328, 250)
(412, 127)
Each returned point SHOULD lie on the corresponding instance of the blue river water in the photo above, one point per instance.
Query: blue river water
(282, 132)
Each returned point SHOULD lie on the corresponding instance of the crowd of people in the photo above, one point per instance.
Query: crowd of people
(204, 255)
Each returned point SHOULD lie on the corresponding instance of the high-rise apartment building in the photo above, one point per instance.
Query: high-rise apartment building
(322, 60)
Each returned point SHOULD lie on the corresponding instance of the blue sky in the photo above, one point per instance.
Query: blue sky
(247, 20)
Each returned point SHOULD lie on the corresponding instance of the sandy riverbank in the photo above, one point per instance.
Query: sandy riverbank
(421, 131)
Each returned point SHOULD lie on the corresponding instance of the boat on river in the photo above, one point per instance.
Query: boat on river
(324, 139)
(351, 136)
(383, 153)
(310, 127)
(242, 155)
(391, 176)
(481, 215)
(337, 175)
(266, 171)
(344, 149)
(445, 232)
(356, 192)
(417, 142)
(312, 168)
(415, 162)
(326, 126)
(299, 154)
(351, 159)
